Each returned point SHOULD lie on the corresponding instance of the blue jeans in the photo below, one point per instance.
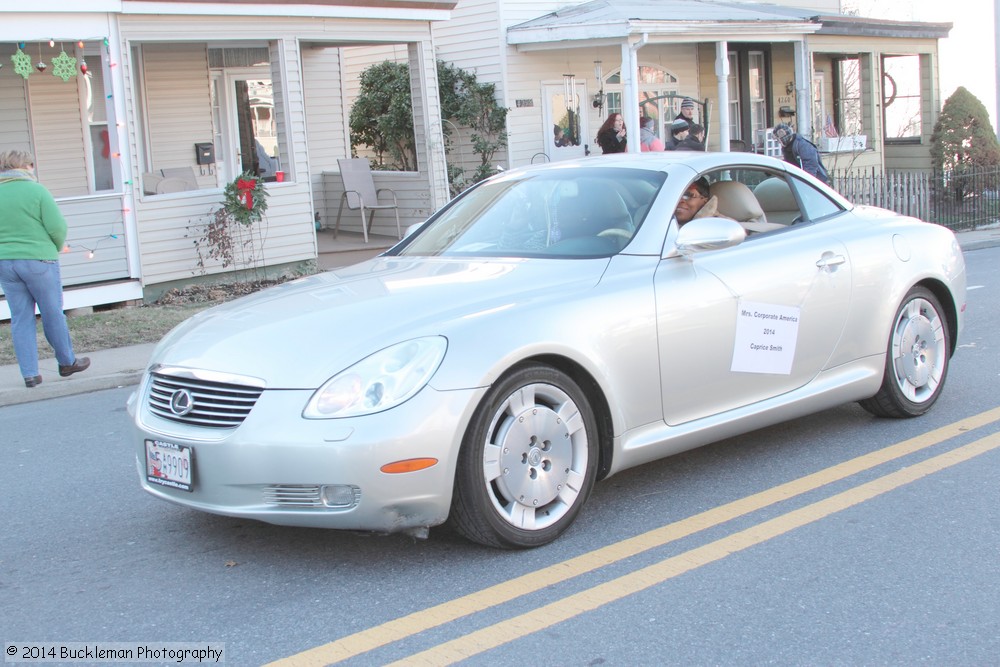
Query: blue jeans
(27, 282)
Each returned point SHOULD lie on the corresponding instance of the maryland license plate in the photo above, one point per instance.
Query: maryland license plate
(168, 464)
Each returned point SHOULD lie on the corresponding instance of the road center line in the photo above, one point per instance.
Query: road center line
(418, 621)
(546, 616)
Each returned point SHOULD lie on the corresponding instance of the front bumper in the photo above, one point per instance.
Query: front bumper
(279, 468)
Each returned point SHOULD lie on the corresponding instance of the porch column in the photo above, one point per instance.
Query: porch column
(722, 74)
(630, 92)
(803, 89)
(428, 135)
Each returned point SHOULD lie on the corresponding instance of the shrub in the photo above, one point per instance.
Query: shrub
(382, 116)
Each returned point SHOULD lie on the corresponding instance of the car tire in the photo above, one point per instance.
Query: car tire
(528, 460)
(917, 359)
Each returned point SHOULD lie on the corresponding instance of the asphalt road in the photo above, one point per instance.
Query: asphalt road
(836, 539)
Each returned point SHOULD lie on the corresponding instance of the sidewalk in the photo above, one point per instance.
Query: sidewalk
(124, 366)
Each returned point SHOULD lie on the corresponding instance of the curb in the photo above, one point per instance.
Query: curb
(68, 387)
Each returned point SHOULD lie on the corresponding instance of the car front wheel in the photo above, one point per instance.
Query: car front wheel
(528, 460)
(917, 359)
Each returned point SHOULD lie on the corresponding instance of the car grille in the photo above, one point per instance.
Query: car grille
(208, 402)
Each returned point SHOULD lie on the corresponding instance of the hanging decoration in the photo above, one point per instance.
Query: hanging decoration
(40, 65)
(22, 63)
(64, 66)
(569, 92)
(246, 188)
(245, 199)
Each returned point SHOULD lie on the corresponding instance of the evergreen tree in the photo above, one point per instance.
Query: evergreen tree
(963, 137)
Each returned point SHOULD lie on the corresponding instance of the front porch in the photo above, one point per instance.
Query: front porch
(348, 248)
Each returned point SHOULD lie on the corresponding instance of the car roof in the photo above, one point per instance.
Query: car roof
(664, 160)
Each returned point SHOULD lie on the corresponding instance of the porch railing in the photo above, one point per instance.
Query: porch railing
(959, 200)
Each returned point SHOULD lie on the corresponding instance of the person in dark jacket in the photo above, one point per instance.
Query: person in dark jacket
(686, 114)
(613, 137)
(679, 130)
(32, 233)
(801, 152)
(694, 141)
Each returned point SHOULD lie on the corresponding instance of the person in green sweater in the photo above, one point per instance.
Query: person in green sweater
(32, 232)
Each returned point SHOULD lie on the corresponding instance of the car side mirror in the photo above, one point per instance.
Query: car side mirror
(704, 234)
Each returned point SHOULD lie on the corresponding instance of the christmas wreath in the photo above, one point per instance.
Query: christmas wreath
(245, 199)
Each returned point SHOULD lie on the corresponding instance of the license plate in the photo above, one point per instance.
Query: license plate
(168, 464)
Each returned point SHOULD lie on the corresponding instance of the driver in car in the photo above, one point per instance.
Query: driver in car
(696, 202)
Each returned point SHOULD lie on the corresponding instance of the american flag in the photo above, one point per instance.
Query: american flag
(829, 129)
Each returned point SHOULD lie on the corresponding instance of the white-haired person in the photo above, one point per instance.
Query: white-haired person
(32, 233)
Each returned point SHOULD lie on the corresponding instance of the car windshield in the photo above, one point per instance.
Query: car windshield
(553, 212)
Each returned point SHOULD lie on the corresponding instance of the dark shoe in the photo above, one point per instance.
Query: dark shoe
(32, 381)
(81, 364)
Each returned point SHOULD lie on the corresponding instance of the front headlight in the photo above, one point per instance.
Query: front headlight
(379, 382)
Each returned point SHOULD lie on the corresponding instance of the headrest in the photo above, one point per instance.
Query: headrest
(775, 195)
(736, 201)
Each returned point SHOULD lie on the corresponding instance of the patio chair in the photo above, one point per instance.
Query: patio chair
(360, 194)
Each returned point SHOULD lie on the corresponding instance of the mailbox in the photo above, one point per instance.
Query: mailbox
(204, 153)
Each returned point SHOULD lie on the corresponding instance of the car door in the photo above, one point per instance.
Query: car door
(744, 324)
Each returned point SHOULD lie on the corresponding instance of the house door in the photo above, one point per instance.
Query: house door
(566, 125)
(246, 133)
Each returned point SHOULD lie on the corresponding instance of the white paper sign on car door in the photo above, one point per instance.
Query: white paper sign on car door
(766, 334)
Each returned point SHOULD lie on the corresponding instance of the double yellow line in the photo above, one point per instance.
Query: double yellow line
(592, 598)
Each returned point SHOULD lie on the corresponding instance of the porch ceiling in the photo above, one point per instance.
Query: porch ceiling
(615, 21)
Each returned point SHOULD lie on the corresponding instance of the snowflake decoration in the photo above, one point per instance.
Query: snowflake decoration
(22, 63)
(64, 66)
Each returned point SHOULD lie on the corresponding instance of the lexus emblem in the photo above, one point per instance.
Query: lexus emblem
(181, 402)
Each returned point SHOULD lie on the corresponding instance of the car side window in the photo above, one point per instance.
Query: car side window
(760, 200)
(815, 204)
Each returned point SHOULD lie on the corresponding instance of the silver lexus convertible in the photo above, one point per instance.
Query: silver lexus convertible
(544, 330)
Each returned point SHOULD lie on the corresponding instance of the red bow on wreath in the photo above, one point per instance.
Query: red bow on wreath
(246, 188)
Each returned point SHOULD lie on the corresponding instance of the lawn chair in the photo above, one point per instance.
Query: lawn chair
(360, 194)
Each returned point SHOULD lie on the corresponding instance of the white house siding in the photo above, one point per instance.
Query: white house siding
(57, 130)
(14, 129)
(472, 39)
(96, 240)
(177, 106)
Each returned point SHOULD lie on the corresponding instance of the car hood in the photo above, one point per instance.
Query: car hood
(300, 333)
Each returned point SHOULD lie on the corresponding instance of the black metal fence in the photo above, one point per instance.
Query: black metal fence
(960, 200)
